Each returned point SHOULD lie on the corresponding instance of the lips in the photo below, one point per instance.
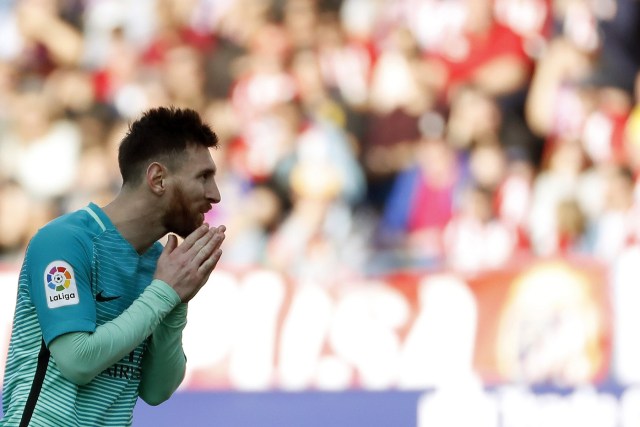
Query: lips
(203, 213)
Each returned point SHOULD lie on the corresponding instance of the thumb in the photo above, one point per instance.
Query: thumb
(172, 243)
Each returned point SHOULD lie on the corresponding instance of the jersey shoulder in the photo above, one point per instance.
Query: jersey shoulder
(72, 230)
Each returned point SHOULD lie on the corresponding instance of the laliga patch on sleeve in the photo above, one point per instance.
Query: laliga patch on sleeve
(60, 285)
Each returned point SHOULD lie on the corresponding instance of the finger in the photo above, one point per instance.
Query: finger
(204, 247)
(218, 239)
(172, 243)
(210, 263)
(206, 250)
(195, 235)
(202, 244)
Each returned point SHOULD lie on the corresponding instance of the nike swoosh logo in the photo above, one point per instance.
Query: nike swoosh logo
(102, 298)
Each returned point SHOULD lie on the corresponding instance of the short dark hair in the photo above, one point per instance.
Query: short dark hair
(161, 134)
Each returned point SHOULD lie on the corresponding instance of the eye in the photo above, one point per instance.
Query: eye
(206, 176)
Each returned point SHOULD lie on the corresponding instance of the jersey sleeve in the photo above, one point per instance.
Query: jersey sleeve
(58, 260)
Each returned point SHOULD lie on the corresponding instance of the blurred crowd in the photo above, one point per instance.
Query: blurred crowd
(358, 137)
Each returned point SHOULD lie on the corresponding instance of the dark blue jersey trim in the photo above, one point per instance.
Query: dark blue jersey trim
(36, 386)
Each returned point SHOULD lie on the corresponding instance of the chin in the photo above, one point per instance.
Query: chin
(184, 229)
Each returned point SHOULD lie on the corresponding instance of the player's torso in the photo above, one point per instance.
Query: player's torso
(119, 276)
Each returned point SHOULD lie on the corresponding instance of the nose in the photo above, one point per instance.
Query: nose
(213, 193)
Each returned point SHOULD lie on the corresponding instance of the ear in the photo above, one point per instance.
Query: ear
(156, 174)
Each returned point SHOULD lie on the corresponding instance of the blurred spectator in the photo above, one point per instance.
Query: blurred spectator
(531, 19)
(618, 224)
(572, 234)
(559, 180)
(265, 147)
(474, 117)
(312, 242)
(40, 148)
(603, 134)
(97, 177)
(8, 81)
(316, 145)
(17, 220)
(554, 106)
(313, 96)
(424, 198)
(262, 80)
(134, 20)
(583, 84)
(396, 101)
(72, 91)
(221, 64)
(10, 40)
(475, 239)
(631, 136)
(487, 164)
(300, 18)
(619, 54)
(482, 51)
(251, 226)
(117, 78)
(183, 77)
(513, 199)
(45, 39)
(345, 62)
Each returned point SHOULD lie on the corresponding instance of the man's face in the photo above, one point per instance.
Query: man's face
(192, 190)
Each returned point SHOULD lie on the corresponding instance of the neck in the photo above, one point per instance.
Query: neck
(137, 220)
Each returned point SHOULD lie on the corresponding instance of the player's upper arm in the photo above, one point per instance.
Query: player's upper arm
(58, 260)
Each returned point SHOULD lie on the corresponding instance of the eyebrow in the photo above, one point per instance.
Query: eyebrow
(208, 171)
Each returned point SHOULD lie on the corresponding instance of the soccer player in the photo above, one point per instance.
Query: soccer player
(101, 304)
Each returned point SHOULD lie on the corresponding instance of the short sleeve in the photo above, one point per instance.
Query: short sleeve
(58, 262)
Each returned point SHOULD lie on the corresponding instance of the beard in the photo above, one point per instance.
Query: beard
(180, 219)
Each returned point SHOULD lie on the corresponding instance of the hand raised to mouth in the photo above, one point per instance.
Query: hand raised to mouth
(186, 267)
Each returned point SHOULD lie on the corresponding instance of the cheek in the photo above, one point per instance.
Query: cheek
(195, 187)
(196, 194)
(182, 200)
(190, 192)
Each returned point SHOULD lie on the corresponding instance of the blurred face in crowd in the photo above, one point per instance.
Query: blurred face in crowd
(32, 115)
(437, 160)
(479, 14)
(479, 204)
(182, 75)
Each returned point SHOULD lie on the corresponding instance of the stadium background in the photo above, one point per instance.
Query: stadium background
(432, 205)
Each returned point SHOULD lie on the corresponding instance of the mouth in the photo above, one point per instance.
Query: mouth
(202, 214)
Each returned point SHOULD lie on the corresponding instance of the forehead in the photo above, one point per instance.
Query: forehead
(197, 159)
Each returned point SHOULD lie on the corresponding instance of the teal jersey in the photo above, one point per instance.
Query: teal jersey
(78, 273)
